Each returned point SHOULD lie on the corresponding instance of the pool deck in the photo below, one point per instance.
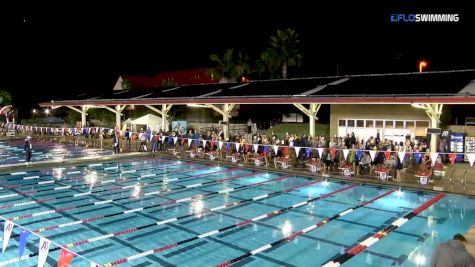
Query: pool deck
(67, 162)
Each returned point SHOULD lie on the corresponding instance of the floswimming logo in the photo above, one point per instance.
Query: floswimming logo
(424, 17)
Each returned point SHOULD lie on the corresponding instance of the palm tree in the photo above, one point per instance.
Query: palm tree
(168, 82)
(5, 98)
(285, 44)
(126, 84)
(230, 68)
(269, 62)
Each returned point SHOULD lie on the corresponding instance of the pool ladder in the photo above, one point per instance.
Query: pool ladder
(463, 182)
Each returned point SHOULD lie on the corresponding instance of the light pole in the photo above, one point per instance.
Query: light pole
(422, 64)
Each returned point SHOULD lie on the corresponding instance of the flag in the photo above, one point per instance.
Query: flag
(433, 157)
(204, 143)
(418, 157)
(174, 140)
(7, 231)
(297, 150)
(220, 143)
(387, 155)
(65, 258)
(43, 251)
(308, 151)
(372, 153)
(359, 154)
(23, 239)
(332, 152)
(163, 138)
(189, 141)
(471, 158)
(237, 146)
(276, 148)
(255, 146)
(320, 152)
(452, 157)
(401, 155)
(345, 153)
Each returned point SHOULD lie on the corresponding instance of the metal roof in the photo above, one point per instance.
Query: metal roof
(457, 87)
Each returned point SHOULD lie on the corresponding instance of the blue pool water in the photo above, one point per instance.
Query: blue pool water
(12, 152)
(410, 245)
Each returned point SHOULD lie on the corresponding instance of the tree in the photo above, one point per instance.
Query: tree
(126, 84)
(270, 63)
(230, 68)
(169, 82)
(285, 44)
(5, 98)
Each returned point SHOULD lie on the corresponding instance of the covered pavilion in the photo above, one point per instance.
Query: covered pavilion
(428, 91)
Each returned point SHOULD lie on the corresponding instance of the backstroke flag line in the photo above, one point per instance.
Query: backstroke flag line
(7, 231)
(43, 251)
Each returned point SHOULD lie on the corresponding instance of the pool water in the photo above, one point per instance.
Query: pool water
(12, 152)
(154, 184)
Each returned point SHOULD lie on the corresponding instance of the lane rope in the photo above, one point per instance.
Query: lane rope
(206, 210)
(301, 232)
(107, 236)
(41, 213)
(103, 183)
(223, 229)
(383, 232)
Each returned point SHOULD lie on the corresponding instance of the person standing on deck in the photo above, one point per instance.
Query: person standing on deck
(28, 149)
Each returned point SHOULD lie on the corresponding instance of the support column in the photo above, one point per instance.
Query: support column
(226, 121)
(117, 116)
(164, 118)
(83, 116)
(434, 123)
(311, 113)
(313, 110)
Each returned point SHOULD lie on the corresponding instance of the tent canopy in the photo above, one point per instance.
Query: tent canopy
(150, 120)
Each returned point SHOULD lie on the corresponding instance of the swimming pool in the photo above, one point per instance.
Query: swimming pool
(179, 213)
(12, 152)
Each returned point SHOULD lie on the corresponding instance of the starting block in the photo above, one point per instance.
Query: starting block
(211, 155)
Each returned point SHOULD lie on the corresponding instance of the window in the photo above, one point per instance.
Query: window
(360, 123)
(409, 124)
(342, 123)
(399, 125)
(379, 124)
(369, 124)
(423, 124)
(389, 124)
(351, 123)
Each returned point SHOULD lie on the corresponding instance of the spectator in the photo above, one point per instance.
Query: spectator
(452, 254)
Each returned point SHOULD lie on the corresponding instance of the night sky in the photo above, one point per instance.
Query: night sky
(48, 50)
